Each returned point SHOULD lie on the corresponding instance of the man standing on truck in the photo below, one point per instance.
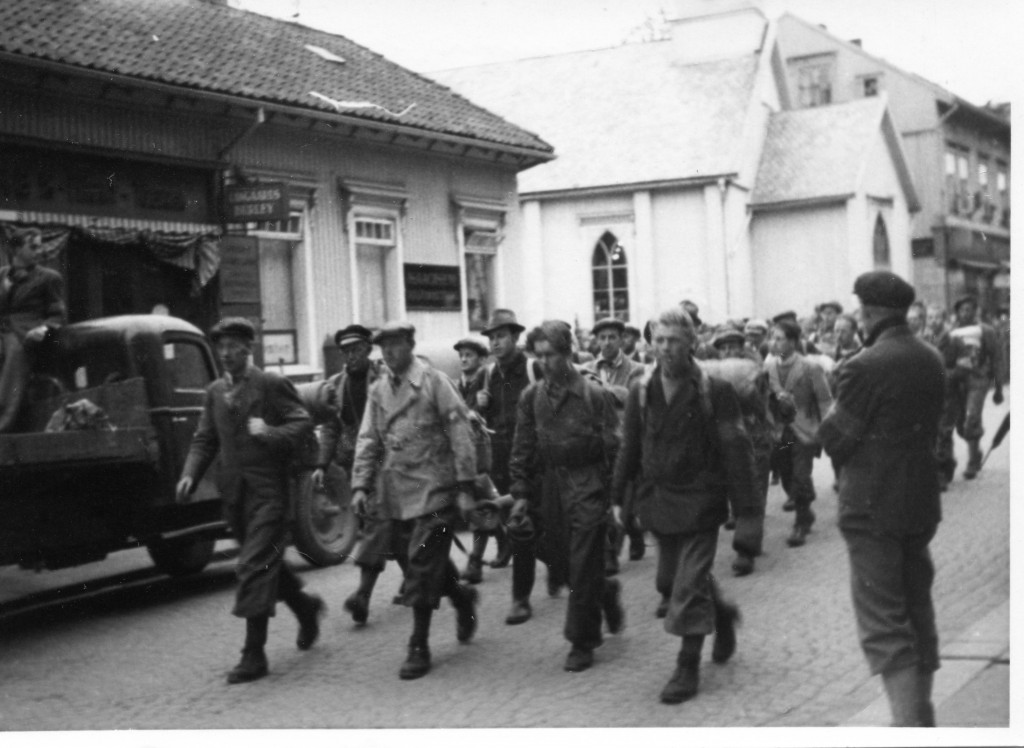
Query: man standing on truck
(31, 304)
(256, 420)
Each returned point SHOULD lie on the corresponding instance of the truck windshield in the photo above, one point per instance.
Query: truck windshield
(188, 367)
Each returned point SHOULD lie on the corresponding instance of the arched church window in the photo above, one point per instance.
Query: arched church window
(611, 286)
(880, 244)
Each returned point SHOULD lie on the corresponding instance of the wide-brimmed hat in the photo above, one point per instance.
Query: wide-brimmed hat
(352, 334)
(394, 330)
(607, 322)
(233, 327)
(503, 318)
(473, 343)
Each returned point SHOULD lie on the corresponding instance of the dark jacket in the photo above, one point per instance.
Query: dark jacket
(36, 299)
(347, 396)
(258, 464)
(690, 458)
(471, 386)
(881, 432)
(504, 386)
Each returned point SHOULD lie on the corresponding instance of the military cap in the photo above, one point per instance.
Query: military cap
(503, 318)
(727, 334)
(755, 325)
(631, 330)
(233, 327)
(607, 322)
(394, 329)
(966, 299)
(352, 334)
(885, 289)
(473, 343)
(831, 305)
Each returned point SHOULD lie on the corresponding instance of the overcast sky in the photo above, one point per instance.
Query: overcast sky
(968, 46)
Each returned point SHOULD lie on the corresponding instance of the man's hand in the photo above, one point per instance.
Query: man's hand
(519, 507)
(318, 479)
(359, 503)
(258, 427)
(617, 515)
(183, 493)
(466, 503)
(36, 334)
(483, 397)
(997, 396)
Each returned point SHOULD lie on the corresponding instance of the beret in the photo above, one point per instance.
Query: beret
(601, 324)
(883, 288)
(473, 343)
(394, 330)
(352, 334)
(234, 327)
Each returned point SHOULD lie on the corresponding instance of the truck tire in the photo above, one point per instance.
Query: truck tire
(182, 556)
(325, 528)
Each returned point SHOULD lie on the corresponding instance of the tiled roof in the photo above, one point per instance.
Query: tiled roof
(816, 152)
(622, 115)
(214, 48)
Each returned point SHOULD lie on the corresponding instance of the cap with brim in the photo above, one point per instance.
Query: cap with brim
(503, 318)
(755, 325)
(352, 334)
(609, 322)
(394, 330)
(884, 289)
(788, 314)
(631, 330)
(728, 335)
(233, 327)
(832, 305)
(968, 299)
(473, 344)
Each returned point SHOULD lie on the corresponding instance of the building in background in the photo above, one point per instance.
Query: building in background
(188, 157)
(958, 153)
(685, 171)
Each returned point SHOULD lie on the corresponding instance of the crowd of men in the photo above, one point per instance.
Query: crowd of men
(675, 430)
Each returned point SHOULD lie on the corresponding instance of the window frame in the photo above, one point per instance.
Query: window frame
(609, 265)
(487, 217)
(393, 259)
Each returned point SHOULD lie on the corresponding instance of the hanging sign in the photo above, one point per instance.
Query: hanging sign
(266, 201)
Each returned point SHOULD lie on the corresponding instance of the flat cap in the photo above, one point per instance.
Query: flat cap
(965, 299)
(727, 334)
(503, 318)
(233, 327)
(473, 343)
(755, 325)
(603, 324)
(883, 288)
(352, 334)
(832, 305)
(394, 329)
(788, 314)
(693, 310)
(631, 330)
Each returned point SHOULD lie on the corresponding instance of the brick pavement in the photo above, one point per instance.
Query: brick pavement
(156, 660)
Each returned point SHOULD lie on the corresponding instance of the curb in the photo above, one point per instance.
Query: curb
(963, 659)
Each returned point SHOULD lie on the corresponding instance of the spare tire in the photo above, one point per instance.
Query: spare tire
(182, 556)
(325, 528)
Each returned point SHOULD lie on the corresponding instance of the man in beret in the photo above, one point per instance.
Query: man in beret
(256, 421)
(617, 373)
(881, 432)
(348, 392)
(473, 351)
(415, 446)
(971, 353)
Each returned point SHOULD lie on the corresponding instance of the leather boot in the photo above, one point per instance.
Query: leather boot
(521, 612)
(417, 662)
(726, 618)
(253, 664)
(973, 460)
(926, 711)
(465, 614)
(474, 570)
(902, 688)
(611, 606)
(685, 681)
(309, 615)
(662, 610)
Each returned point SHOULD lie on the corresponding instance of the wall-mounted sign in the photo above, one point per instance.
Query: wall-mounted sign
(266, 201)
(279, 347)
(239, 270)
(432, 288)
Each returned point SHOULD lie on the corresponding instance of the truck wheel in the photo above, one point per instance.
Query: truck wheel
(325, 528)
(182, 556)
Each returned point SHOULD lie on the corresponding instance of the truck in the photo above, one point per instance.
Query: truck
(74, 490)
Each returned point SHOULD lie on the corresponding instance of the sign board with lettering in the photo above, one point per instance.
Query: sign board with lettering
(279, 347)
(239, 270)
(432, 288)
(266, 201)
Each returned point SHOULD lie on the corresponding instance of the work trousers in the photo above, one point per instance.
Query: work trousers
(748, 536)
(962, 411)
(14, 375)
(375, 543)
(796, 467)
(260, 524)
(684, 577)
(891, 579)
(425, 543)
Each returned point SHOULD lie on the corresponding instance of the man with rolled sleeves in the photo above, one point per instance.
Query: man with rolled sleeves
(617, 372)
(415, 446)
(256, 421)
(566, 431)
(881, 432)
(685, 445)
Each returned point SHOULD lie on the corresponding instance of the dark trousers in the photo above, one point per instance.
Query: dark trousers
(891, 579)
(375, 546)
(14, 376)
(684, 577)
(260, 526)
(796, 466)
(962, 411)
(425, 544)
(748, 537)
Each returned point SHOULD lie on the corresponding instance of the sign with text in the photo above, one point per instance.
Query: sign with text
(267, 201)
(433, 288)
(239, 270)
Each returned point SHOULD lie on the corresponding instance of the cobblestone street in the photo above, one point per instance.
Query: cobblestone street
(154, 655)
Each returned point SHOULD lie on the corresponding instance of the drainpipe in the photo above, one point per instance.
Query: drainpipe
(723, 190)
